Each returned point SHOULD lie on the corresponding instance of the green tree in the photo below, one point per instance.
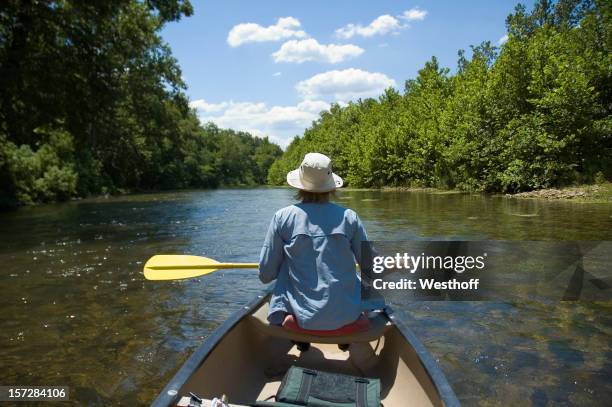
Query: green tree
(93, 101)
(533, 113)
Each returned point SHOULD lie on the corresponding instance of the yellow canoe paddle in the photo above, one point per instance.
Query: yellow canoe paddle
(177, 267)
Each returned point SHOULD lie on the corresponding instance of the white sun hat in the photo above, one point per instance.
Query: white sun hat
(314, 175)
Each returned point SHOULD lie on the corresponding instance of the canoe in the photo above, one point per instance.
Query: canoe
(246, 359)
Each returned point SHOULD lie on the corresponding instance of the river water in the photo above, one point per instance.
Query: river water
(77, 311)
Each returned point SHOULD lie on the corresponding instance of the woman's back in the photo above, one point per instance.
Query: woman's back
(311, 249)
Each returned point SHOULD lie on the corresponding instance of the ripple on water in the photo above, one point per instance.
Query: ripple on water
(128, 336)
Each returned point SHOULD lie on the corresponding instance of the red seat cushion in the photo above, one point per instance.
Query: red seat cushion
(360, 325)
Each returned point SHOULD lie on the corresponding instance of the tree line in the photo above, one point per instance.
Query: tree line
(532, 113)
(92, 101)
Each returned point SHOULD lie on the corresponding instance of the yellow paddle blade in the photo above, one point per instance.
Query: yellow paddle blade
(176, 267)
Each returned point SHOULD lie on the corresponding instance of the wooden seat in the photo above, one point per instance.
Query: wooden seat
(378, 326)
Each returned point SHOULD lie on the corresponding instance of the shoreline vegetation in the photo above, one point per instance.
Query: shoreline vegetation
(93, 103)
(531, 113)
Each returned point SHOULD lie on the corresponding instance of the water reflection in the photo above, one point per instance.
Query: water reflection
(77, 311)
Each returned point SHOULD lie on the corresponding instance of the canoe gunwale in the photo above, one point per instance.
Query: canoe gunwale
(447, 394)
(201, 353)
(195, 360)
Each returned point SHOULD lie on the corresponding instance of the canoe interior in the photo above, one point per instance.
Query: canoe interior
(247, 364)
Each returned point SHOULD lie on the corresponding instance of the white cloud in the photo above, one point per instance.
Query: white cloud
(502, 39)
(276, 74)
(414, 14)
(380, 26)
(203, 106)
(310, 50)
(280, 123)
(345, 85)
(285, 27)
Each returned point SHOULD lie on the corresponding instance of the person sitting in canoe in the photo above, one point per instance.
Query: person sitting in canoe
(310, 250)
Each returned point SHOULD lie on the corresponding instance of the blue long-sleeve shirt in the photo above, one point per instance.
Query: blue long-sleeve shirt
(311, 250)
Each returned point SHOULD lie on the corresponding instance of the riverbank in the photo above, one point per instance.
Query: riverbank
(597, 193)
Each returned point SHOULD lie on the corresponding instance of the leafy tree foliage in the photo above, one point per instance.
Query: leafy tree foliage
(534, 113)
(92, 101)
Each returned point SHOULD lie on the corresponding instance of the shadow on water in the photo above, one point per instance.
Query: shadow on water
(77, 311)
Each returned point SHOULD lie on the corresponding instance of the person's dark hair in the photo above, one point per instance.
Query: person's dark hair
(314, 197)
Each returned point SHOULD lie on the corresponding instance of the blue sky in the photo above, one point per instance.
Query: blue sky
(269, 67)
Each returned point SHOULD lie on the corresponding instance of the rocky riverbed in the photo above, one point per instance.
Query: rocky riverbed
(595, 193)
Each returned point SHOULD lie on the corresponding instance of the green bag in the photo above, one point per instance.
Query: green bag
(306, 387)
